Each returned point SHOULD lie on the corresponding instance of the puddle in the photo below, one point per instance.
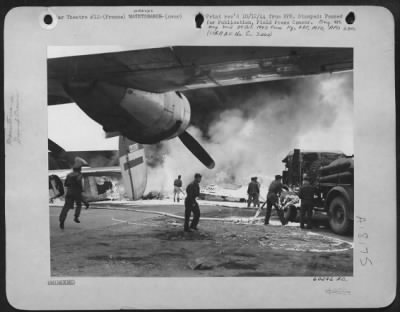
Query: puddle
(308, 242)
(115, 258)
(169, 254)
(253, 274)
(180, 235)
(242, 254)
(233, 265)
(103, 244)
(229, 213)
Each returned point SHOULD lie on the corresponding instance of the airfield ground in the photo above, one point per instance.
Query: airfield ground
(113, 240)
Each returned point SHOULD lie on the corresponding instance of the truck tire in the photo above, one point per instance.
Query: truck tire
(290, 213)
(339, 220)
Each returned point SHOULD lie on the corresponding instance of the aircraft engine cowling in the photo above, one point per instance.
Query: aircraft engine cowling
(141, 116)
(164, 115)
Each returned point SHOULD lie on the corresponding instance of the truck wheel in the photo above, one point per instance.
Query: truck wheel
(339, 216)
(289, 213)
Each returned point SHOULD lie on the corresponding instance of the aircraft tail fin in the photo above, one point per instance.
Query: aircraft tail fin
(133, 167)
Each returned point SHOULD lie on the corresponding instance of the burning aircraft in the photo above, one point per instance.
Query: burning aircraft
(147, 96)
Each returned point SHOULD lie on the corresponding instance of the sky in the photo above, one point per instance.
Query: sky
(60, 51)
(85, 135)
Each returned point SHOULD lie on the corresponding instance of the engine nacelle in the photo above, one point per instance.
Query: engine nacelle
(165, 115)
(141, 116)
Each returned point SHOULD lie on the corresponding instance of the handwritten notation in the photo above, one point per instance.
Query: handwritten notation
(265, 25)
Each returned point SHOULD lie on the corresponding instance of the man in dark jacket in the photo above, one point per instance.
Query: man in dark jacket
(73, 182)
(306, 194)
(191, 205)
(253, 191)
(274, 192)
(177, 188)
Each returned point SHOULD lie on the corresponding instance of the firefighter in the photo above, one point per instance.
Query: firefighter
(73, 182)
(253, 192)
(191, 205)
(274, 192)
(306, 194)
(177, 188)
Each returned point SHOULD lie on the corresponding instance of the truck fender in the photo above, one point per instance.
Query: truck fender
(345, 191)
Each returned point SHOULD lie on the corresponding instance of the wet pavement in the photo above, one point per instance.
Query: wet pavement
(114, 240)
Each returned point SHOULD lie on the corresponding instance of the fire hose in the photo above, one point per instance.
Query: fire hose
(166, 214)
(279, 205)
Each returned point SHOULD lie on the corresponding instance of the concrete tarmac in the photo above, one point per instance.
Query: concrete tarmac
(114, 240)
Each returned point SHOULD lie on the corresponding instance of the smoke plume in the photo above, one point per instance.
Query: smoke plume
(256, 128)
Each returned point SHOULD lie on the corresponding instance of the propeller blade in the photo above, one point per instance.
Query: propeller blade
(58, 158)
(197, 150)
(54, 147)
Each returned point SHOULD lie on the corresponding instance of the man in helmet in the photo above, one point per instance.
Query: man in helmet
(274, 192)
(306, 194)
(73, 182)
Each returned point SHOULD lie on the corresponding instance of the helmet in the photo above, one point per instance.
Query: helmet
(79, 162)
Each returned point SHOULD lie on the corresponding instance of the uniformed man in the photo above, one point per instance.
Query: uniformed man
(253, 192)
(177, 188)
(306, 194)
(73, 182)
(274, 192)
(191, 205)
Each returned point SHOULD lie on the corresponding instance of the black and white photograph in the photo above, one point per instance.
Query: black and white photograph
(206, 157)
(201, 161)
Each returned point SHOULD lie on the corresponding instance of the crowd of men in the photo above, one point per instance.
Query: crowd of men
(306, 193)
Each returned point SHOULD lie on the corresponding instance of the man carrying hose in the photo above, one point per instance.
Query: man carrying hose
(191, 205)
(274, 192)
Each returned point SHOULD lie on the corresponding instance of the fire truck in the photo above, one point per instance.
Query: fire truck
(332, 174)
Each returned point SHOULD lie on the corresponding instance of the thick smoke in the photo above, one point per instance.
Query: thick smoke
(255, 130)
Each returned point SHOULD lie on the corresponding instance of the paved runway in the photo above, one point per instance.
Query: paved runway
(113, 240)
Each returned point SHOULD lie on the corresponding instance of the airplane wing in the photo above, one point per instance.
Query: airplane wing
(185, 68)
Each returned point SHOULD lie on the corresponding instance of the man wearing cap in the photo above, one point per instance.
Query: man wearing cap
(253, 192)
(274, 192)
(177, 188)
(73, 182)
(191, 205)
(306, 194)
